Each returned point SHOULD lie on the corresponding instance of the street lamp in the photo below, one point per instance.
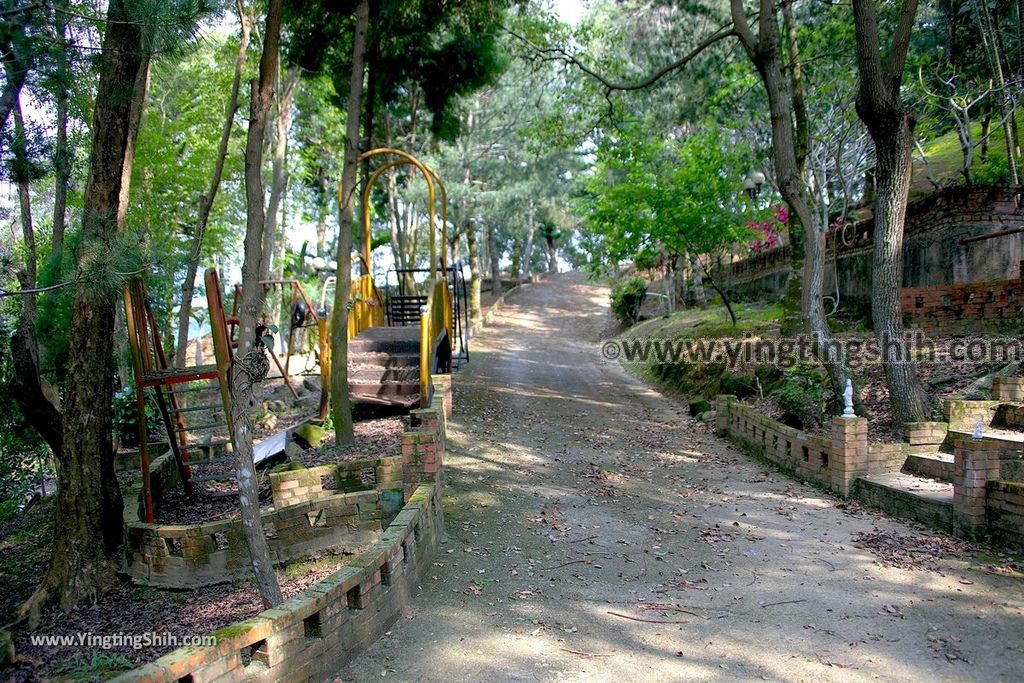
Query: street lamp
(752, 184)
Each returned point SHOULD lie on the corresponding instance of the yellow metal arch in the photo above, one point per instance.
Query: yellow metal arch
(432, 177)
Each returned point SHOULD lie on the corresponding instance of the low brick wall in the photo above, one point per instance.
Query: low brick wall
(834, 461)
(925, 433)
(1008, 389)
(803, 454)
(988, 477)
(987, 500)
(963, 416)
(1004, 509)
(193, 555)
(311, 636)
(315, 633)
(388, 476)
(363, 496)
(997, 305)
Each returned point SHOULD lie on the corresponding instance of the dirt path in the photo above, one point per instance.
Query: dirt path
(574, 491)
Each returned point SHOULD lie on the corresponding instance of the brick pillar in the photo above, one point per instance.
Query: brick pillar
(443, 386)
(975, 462)
(849, 456)
(423, 447)
(722, 403)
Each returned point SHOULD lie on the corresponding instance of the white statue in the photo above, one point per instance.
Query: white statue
(848, 400)
(977, 431)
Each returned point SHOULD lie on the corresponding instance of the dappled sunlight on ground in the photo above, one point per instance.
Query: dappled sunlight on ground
(575, 492)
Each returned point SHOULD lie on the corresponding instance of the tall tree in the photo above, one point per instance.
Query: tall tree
(279, 171)
(807, 229)
(250, 364)
(341, 407)
(891, 125)
(17, 49)
(89, 504)
(61, 149)
(26, 387)
(245, 17)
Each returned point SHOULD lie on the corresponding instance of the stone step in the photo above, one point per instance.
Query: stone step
(935, 465)
(908, 497)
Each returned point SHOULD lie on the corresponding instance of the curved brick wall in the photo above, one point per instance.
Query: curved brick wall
(315, 633)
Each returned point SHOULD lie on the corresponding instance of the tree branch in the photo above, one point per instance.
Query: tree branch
(560, 54)
(900, 46)
(873, 92)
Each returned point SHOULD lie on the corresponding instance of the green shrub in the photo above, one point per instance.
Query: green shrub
(740, 386)
(646, 259)
(698, 406)
(804, 397)
(126, 415)
(627, 296)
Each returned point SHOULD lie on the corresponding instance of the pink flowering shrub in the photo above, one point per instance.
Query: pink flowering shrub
(769, 232)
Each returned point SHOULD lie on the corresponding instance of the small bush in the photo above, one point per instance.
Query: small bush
(126, 415)
(698, 406)
(804, 397)
(627, 296)
(740, 386)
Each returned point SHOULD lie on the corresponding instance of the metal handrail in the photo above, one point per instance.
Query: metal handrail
(435, 330)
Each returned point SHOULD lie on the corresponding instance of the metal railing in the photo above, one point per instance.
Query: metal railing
(435, 337)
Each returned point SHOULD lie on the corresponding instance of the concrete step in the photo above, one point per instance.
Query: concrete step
(380, 359)
(392, 340)
(365, 374)
(385, 388)
(1008, 439)
(936, 465)
(908, 497)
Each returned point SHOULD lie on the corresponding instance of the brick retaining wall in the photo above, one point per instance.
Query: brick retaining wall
(998, 304)
(1004, 508)
(988, 494)
(311, 636)
(307, 518)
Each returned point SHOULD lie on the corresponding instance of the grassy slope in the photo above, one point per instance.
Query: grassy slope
(944, 157)
(692, 323)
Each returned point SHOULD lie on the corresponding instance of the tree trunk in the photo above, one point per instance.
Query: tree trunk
(492, 249)
(340, 402)
(250, 364)
(279, 174)
(206, 201)
(89, 504)
(680, 280)
(891, 127)
(552, 255)
(907, 395)
(369, 99)
(474, 271)
(61, 152)
(698, 283)
(25, 385)
(807, 233)
(531, 228)
(16, 62)
(986, 128)
(321, 232)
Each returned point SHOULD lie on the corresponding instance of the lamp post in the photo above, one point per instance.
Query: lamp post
(752, 184)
